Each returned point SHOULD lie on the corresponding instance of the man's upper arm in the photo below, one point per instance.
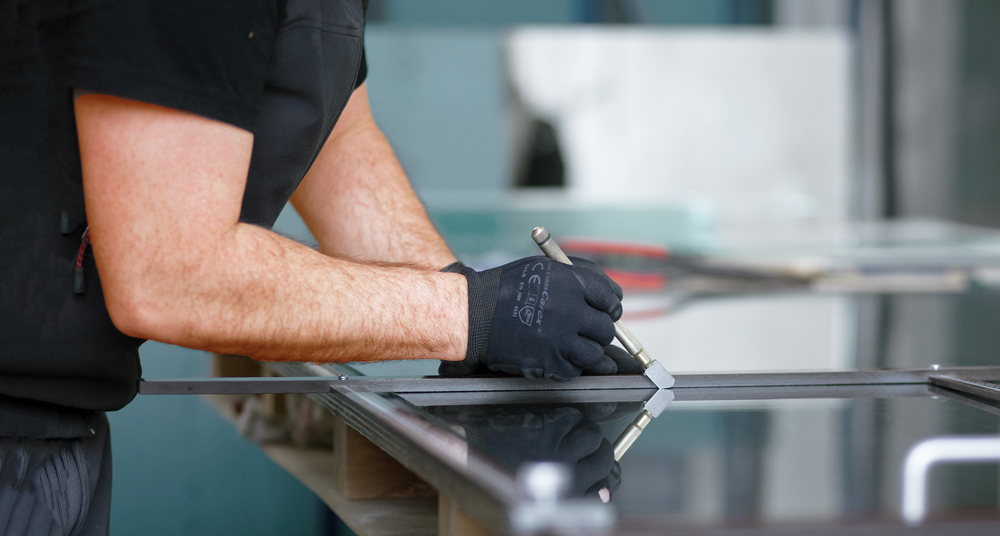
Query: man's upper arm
(356, 113)
(161, 186)
(357, 201)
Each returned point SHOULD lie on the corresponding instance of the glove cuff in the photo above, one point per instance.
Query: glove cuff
(455, 268)
(484, 287)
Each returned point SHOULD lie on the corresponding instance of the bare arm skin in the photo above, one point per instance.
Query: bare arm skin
(163, 191)
(357, 201)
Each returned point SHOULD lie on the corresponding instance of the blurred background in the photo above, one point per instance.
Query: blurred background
(692, 124)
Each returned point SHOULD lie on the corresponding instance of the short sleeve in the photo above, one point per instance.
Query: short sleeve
(205, 57)
(362, 69)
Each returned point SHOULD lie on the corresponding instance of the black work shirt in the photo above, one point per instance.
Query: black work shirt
(283, 70)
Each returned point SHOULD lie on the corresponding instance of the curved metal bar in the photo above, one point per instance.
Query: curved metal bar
(930, 452)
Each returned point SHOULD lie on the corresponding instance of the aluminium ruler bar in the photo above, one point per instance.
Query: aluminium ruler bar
(321, 384)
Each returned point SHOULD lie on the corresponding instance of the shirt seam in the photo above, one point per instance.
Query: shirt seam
(193, 92)
(329, 28)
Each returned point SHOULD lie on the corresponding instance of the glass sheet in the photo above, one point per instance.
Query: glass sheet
(751, 461)
(789, 460)
(803, 331)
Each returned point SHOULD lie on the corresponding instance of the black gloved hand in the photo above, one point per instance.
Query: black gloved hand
(540, 318)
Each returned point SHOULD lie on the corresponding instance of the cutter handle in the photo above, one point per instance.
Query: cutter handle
(549, 246)
(553, 251)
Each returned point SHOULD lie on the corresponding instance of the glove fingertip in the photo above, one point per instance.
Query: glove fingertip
(533, 373)
(615, 477)
(616, 288)
(605, 366)
(616, 311)
(625, 362)
(557, 377)
(453, 368)
(529, 373)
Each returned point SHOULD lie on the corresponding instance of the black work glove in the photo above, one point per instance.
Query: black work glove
(541, 319)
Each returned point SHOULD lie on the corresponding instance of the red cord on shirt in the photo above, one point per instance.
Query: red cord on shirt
(84, 242)
(79, 284)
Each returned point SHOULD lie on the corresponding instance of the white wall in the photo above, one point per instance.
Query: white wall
(753, 121)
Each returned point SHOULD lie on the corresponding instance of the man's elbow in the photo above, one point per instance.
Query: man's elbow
(163, 294)
(166, 299)
(136, 313)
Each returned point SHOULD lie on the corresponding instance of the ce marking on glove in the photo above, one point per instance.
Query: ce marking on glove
(534, 291)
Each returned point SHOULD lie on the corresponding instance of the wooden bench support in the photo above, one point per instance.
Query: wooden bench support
(237, 366)
(453, 520)
(272, 404)
(234, 366)
(363, 471)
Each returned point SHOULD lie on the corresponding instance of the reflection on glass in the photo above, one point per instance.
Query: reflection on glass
(788, 460)
(746, 461)
(517, 434)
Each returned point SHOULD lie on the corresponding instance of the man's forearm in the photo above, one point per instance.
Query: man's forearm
(268, 297)
(357, 200)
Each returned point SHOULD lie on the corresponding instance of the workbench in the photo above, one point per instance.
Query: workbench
(803, 452)
(858, 411)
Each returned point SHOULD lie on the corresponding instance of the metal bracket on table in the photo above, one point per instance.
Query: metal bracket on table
(659, 375)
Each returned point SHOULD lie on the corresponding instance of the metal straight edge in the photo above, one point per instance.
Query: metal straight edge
(786, 392)
(964, 398)
(684, 395)
(819, 378)
(486, 398)
(225, 386)
(316, 384)
(968, 387)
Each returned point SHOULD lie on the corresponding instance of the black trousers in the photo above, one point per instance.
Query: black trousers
(51, 487)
